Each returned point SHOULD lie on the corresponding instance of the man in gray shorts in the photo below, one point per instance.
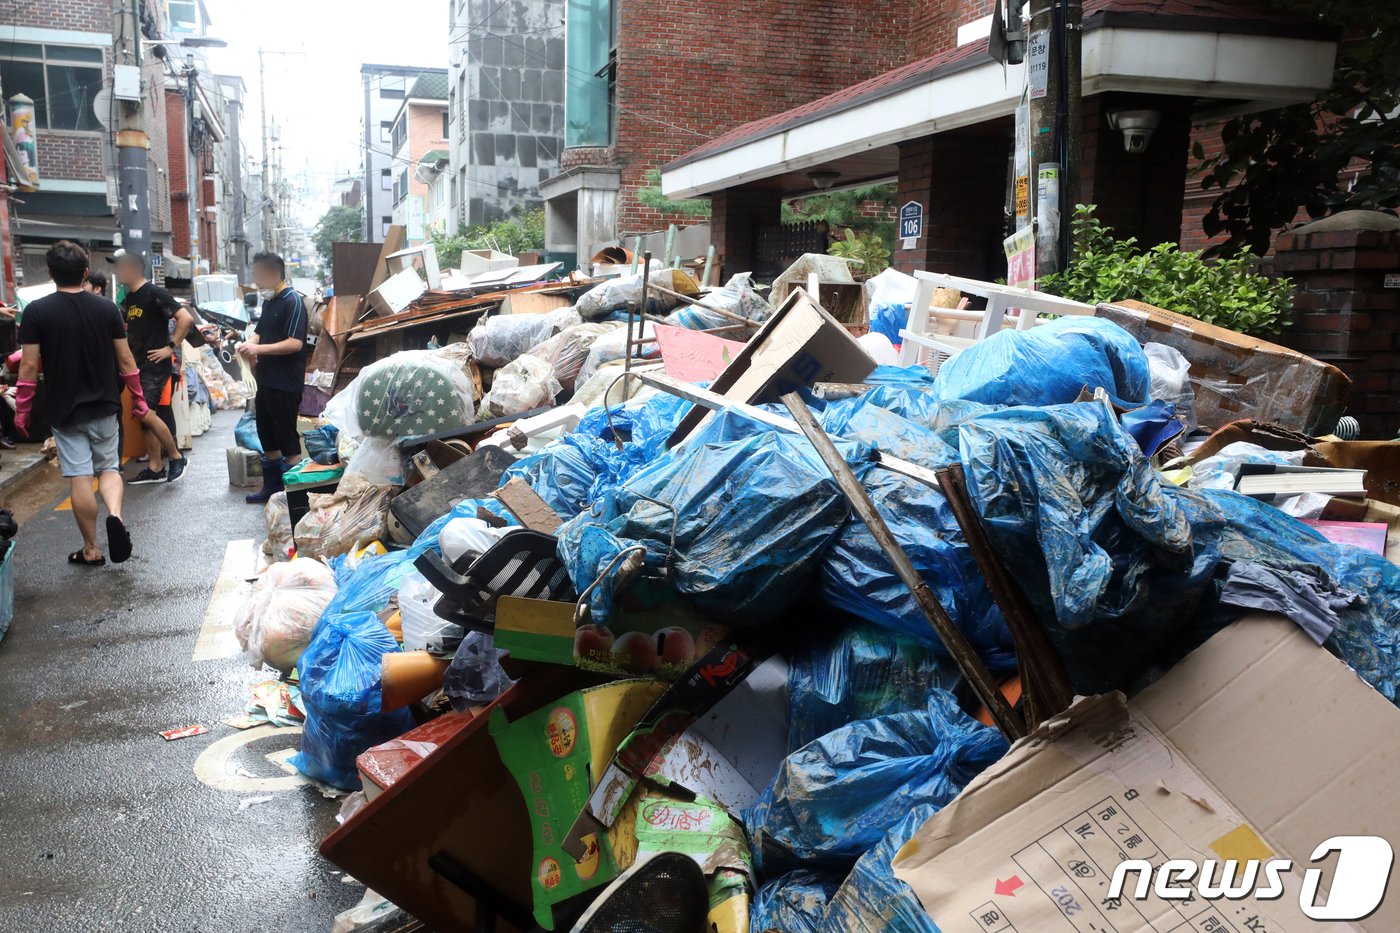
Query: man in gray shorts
(80, 339)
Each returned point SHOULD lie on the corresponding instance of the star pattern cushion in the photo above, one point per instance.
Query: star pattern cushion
(407, 399)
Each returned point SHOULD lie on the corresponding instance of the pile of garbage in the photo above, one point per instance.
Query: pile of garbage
(776, 611)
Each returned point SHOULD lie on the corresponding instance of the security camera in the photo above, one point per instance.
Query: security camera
(1136, 126)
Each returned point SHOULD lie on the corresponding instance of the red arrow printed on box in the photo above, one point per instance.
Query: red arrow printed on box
(1008, 887)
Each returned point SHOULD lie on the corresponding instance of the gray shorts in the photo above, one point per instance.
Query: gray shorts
(89, 447)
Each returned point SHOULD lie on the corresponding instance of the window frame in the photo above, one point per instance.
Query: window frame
(386, 131)
(41, 56)
(386, 175)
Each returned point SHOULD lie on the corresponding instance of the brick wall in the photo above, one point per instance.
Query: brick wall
(71, 156)
(1139, 195)
(79, 15)
(1344, 315)
(707, 67)
(424, 135)
(958, 178)
(180, 192)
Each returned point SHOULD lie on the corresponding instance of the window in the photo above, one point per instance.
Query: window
(446, 117)
(591, 64)
(400, 131)
(386, 131)
(462, 102)
(386, 179)
(384, 224)
(403, 185)
(182, 17)
(61, 79)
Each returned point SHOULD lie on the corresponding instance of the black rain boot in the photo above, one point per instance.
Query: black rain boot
(272, 471)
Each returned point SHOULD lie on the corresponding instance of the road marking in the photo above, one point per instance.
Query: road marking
(214, 766)
(67, 504)
(216, 639)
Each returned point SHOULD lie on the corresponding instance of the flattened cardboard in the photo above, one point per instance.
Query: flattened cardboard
(1237, 376)
(1258, 744)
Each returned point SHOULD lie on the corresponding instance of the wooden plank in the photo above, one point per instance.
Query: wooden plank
(527, 506)
(352, 267)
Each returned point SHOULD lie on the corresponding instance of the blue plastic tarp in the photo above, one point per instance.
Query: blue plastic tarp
(835, 798)
(872, 899)
(793, 903)
(1050, 365)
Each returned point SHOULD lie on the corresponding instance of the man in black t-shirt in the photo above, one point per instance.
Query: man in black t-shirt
(278, 353)
(149, 311)
(81, 341)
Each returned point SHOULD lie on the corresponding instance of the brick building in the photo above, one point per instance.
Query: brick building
(941, 123)
(60, 56)
(418, 136)
(195, 132)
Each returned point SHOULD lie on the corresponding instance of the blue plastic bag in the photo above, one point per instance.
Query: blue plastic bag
(750, 519)
(836, 797)
(341, 694)
(245, 433)
(857, 671)
(1049, 365)
(912, 376)
(793, 903)
(889, 319)
(321, 444)
(872, 899)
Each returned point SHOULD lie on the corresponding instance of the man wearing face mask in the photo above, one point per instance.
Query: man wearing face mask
(277, 353)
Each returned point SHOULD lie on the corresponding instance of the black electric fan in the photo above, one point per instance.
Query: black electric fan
(665, 894)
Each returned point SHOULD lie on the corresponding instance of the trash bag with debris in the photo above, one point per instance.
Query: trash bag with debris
(321, 444)
(835, 798)
(1049, 365)
(423, 630)
(615, 294)
(280, 542)
(245, 433)
(274, 624)
(408, 394)
(377, 460)
(523, 384)
(475, 676)
(567, 351)
(737, 297)
(1171, 380)
(345, 520)
(793, 903)
(341, 693)
(872, 899)
(502, 337)
(851, 671)
(749, 520)
(613, 346)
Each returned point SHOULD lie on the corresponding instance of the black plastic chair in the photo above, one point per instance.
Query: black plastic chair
(522, 563)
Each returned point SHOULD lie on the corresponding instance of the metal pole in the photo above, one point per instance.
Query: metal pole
(132, 143)
(978, 677)
(269, 230)
(709, 264)
(7, 250)
(1056, 125)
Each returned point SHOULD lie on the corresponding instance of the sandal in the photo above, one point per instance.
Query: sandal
(118, 540)
(77, 558)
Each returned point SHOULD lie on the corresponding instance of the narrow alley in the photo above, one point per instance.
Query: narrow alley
(107, 825)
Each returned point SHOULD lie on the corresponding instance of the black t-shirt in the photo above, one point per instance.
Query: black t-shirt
(283, 316)
(148, 312)
(74, 332)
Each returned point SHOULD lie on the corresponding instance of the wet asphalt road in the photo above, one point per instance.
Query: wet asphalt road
(103, 824)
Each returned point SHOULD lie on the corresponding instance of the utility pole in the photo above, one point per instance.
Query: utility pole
(269, 223)
(1056, 125)
(134, 201)
(7, 249)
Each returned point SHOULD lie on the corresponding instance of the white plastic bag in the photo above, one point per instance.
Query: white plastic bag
(737, 297)
(274, 624)
(467, 536)
(278, 518)
(503, 337)
(521, 385)
(613, 346)
(1171, 380)
(567, 351)
(617, 293)
(344, 521)
(422, 629)
(378, 460)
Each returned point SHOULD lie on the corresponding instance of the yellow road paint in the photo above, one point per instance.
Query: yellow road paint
(67, 504)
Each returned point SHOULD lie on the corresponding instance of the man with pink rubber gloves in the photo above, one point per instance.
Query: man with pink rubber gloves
(81, 339)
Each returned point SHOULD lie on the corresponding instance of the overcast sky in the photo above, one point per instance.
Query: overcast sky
(315, 94)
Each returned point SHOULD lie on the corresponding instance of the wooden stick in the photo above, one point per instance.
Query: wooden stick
(727, 315)
(978, 677)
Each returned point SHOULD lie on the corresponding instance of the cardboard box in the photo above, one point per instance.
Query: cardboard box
(1236, 376)
(397, 292)
(798, 346)
(1258, 745)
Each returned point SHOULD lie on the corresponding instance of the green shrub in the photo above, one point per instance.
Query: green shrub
(867, 247)
(524, 232)
(1227, 292)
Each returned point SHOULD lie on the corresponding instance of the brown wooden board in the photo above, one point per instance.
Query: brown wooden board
(352, 265)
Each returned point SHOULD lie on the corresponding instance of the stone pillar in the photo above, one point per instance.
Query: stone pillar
(735, 216)
(1344, 315)
(960, 179)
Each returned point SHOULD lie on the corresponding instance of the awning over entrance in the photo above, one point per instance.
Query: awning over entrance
(1235, 53)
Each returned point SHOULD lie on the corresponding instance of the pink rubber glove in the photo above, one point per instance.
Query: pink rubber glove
(139, 408)
(24, 402)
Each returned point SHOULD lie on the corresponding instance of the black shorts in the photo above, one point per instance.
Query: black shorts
(276, 413)
(154, 379)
